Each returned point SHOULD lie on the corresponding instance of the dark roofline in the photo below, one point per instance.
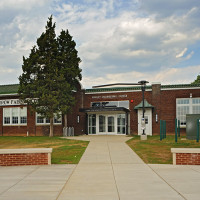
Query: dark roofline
(174, 86)
(13, 88)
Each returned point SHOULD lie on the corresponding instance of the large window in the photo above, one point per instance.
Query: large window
(15, 116)
(42, 120)
(186, 106)
(124, 104)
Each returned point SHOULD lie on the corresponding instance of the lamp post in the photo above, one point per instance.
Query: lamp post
(143, 84)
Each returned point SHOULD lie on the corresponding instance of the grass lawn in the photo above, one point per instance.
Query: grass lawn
(155, 151)
(64, 151)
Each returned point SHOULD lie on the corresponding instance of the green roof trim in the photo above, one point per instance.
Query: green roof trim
(180, 86)
(13, 88)
(146, 105)
(115, 89)
(9, 89)
(139, 88)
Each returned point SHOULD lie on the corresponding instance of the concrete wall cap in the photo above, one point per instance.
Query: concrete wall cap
(156, 83)
(29, 150)
(185, 150)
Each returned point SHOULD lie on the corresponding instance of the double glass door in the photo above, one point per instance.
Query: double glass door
(107, 124)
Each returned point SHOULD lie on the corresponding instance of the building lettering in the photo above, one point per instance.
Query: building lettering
(11, 102)
(110, 96)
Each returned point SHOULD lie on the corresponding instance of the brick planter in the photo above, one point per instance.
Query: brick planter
(16, 157)
(186, 156)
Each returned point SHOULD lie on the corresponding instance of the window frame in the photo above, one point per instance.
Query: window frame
(190, 104)
(46, 119)
(11, 117)
(115, 103)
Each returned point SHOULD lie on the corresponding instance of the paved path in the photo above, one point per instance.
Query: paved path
(108, 170)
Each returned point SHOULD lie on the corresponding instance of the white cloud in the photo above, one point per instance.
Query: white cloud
(118, 38)
(165, 76)
(21, 4)
(181, 54)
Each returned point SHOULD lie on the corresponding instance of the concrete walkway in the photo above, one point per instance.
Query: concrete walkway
(108, 170)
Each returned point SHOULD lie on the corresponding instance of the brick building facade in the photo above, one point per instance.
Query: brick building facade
(104, 110)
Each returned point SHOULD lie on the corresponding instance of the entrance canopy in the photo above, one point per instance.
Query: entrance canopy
(103, 109)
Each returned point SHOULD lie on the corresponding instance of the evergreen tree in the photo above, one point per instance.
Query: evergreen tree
(197, 81)
(68, 62)
(49, 75)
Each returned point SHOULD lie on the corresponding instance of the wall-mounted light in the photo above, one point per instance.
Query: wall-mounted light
(156, 117)
(190, 95)
(78, 118)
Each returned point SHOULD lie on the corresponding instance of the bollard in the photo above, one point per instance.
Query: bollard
(164, 128)
(175, 130)
(160, 130)
(198, 120)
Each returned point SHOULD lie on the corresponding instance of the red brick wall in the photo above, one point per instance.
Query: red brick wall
(168, 106)
(24, 159)
(188, 158)
(164, 102)
(79, 128)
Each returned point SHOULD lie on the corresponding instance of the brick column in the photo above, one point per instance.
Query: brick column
(156, 102)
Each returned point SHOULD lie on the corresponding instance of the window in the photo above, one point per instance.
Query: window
(57, 120)
(15, 116)
(186, 106)
(43, 120)
(124, 104)
(121, 124)
(92, 124)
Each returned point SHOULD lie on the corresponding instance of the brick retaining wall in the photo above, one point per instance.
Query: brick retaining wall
(17, 157)
(186, 156)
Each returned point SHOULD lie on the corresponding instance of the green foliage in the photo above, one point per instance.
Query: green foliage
(197, 81)
(50, 73)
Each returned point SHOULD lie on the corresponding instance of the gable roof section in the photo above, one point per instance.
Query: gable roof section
(9, 89)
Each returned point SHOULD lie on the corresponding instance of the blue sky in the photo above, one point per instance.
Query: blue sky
(117, 40)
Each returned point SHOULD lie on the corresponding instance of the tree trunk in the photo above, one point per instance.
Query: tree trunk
(51, 127)
(65, 118)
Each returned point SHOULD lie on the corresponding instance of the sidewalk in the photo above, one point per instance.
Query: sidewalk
(108, 170)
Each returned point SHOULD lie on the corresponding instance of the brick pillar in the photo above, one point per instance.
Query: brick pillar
(156, 102)
(1, 121)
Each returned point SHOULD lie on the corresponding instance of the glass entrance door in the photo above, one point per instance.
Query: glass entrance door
(102, 123)
(111, 124)
(106, 124)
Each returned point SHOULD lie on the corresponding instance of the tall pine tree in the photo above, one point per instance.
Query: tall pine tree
(49, 75)
(69, 67)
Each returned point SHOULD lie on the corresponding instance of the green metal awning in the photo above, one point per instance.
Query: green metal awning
(146, 105)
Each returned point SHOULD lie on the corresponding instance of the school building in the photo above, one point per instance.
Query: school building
(114, 111)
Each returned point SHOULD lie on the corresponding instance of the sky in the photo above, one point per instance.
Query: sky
(118, 41)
